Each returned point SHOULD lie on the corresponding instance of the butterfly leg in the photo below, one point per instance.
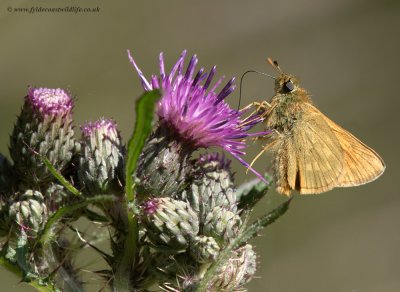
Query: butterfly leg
(260, 107)
(263, 105)
(246, 119)
(265, 149)
(274, 131)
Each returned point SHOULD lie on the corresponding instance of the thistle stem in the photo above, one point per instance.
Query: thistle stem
(144, 117)
(123, 273)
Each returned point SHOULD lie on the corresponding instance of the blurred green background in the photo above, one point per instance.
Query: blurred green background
(346, 54)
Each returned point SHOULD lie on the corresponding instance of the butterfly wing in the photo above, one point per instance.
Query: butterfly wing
(319, 154)
(361, 163)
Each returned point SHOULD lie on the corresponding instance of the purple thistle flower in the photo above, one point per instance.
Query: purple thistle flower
(105, 126)
(195, 111)
(50, 101)
(150, 206)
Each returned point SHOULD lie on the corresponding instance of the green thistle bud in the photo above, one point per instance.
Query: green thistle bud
(101, 163)
(6, 175)
(212, 186)
(238, 271)
(171, 224)
(248, 258)
(204, 249)
(29, 212)
(44, 126)
(55, 197)
(222, 224)
(163, 164)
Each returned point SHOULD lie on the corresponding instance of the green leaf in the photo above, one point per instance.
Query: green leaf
(59, 176)
(243, 238)
(249, 194)
(262, 222)
(145, 106)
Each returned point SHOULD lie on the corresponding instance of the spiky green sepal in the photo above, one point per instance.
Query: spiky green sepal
(223, 225)
(163, 164)
(101, 164)
(171, 224)
(212, 186)
(204, 249)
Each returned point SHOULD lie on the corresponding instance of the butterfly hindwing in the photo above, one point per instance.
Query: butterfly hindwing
(309, 157)
(319, 155)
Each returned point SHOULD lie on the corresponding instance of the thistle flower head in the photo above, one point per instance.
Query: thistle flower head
(194, 109)
(29, 212)
(104, 126)
(44, 126)
(236, 272)
(101, 163)
(50, 101)
(170, 224)
(212, 185)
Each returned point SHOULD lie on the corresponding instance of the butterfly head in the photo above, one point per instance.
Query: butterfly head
(284, 83)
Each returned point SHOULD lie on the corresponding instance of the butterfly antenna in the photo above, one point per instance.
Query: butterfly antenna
(274, 64)
(241, 81)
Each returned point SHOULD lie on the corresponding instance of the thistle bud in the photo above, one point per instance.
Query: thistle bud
(171, 224)
(163, 164)
(55, 197)
(221, 224)
(204, 249)
(212, 186)
(101, 163)
(238, 270)
(44, 126)
(29, 212)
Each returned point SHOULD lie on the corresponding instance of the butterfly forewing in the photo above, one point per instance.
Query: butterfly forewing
(361, 163)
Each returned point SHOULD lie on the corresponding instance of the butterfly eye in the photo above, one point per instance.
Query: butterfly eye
(288, 86)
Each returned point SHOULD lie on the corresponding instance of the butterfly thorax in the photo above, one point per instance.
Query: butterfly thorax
(287, 104)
